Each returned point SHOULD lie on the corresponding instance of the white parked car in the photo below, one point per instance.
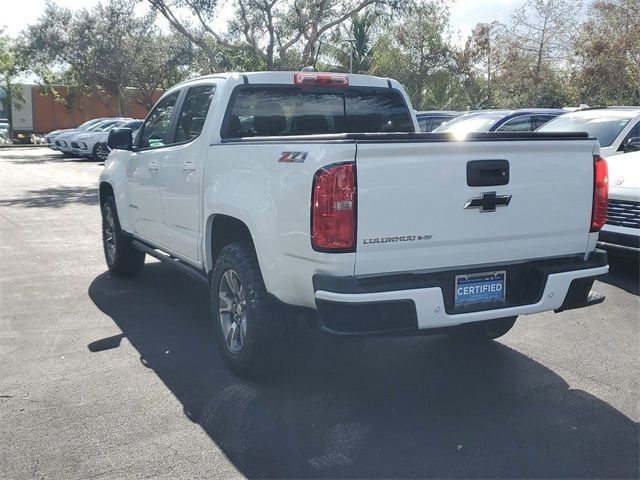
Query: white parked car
(621, 233)
(52, 136)
(616, 128)
(86, 144)
(314, 193)
(64, 142)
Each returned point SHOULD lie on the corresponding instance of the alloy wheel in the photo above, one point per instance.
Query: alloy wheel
(232, 311)
(110, 235)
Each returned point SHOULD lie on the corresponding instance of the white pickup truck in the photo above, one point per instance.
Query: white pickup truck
(312, 192)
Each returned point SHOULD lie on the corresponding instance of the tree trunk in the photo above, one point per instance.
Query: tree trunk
(537, 76)
(122, 101)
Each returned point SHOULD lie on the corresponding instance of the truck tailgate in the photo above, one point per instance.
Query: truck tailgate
(412, 197)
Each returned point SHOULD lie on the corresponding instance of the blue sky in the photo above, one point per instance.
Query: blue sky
(465, 14)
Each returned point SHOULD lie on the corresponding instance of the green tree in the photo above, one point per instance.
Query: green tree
(352, 44)
(10, 68)
(104, 50)
(608, 50)
(165, 61)
(8, 62)
(479, 62)
(282, 33)
(416, 51)
(535, 57)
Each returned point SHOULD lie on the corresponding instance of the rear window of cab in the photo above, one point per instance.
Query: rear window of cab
(262, 111)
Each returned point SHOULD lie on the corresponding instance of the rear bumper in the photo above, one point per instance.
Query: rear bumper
(409, 304)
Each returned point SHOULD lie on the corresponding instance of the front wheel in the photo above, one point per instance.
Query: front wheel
(480, 332)
(123, 259)
(247, 323)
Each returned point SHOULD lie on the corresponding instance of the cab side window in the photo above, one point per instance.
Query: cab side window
(194, 112)
(156, 130)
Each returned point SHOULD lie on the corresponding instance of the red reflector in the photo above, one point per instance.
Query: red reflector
(321, 79)
(600, 193)
(333, 208)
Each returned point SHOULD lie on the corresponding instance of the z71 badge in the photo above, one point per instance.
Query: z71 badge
(293, 157)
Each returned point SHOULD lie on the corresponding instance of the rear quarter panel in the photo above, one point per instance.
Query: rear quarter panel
(246, 181)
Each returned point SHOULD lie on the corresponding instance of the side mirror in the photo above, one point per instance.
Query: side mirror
(120, 139)
(632, 145)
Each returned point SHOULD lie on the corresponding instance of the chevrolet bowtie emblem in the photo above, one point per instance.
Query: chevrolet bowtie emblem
(488, 202)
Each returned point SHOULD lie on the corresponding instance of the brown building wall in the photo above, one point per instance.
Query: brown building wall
(49, 114)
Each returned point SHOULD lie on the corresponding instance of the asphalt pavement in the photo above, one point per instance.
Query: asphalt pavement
(108, 378)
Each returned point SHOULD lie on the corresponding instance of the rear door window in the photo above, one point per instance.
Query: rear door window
(284, 111)
(194, 112)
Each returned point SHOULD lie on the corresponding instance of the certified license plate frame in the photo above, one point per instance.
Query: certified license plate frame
(481, 298)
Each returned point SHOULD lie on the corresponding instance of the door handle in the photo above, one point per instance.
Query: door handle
(152, 166)
(188, 166)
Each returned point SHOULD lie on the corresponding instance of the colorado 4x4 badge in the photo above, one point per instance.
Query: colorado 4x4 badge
(293, 157)
(400, 238)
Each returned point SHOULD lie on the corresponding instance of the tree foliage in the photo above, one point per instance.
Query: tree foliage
(351, 45)
(284, 34)
(418, 54)
(608, 50)
(543, 56)
(105, 50)
(8, 61)
(10, 68)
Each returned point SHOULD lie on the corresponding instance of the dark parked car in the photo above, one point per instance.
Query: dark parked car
(103, 150)
(431, 120)
(524, 120)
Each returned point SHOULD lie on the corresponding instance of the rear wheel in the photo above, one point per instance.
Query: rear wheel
(480, 332)
(101, 151)
(122, 258)
(248, 324)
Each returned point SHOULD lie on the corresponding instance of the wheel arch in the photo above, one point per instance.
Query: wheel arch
(221, 231)
(104, 191)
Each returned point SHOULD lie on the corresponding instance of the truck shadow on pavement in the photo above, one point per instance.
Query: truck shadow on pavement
(381, 408)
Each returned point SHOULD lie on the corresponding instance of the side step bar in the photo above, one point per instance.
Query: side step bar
(169, 260)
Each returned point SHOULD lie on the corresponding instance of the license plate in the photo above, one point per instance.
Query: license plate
(487, 287)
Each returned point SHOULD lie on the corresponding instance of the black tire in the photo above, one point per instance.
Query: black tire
(251, 346)
(101, 151)
(482, 332)
(123, 260)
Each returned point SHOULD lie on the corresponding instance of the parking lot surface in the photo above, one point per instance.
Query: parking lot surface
(103, 377)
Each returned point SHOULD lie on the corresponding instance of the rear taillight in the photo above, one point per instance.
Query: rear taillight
(600, 193)
(333, 208)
